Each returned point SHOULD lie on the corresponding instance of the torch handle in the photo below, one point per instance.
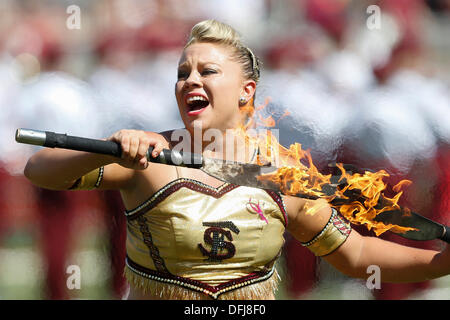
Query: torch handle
(176, 158)
(58, 140)
(446, 234)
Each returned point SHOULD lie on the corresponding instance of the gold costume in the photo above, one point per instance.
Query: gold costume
(89, 181)
(192, 241)
(332, 236)
(204, 239)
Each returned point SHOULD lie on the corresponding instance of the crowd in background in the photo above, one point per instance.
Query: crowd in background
(374, 95)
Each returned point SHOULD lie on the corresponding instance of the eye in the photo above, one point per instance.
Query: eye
(208, 72)
(182, 74)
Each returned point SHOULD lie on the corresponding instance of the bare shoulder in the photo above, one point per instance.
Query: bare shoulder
(116, 177)
(306, 217)
(293, 205)
(147, 182)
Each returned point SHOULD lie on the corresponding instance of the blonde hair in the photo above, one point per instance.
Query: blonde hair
(217, 32)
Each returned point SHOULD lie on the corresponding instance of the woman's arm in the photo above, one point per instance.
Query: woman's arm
(59, 169)
(397, 263)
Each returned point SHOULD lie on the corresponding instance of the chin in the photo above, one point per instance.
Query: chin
(197, 124)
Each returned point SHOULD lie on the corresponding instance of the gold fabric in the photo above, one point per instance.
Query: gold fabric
(89, 181)
(331, 237)
(213, 236)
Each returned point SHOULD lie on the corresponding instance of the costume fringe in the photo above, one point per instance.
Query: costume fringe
(166, 291)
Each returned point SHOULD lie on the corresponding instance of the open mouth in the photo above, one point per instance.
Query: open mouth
(196, 103)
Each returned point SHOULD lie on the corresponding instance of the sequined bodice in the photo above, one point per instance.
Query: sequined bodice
(209, 237)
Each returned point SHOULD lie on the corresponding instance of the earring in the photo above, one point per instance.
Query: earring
(242, 100)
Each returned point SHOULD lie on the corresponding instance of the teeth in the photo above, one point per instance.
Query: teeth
(194, 98)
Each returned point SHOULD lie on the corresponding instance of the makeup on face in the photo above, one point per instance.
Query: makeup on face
(196, 102)
(208, 86)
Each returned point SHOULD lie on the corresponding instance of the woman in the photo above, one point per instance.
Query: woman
(192, 236)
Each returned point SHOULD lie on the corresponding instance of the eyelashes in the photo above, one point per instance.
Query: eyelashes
(205, 72)
(181, 75)
(208, 71)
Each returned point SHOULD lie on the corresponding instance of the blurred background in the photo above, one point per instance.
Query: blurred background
(364, 82)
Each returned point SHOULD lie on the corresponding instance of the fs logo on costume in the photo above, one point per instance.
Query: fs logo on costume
(215, 236)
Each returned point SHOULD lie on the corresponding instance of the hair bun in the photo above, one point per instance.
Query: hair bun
(214, 31)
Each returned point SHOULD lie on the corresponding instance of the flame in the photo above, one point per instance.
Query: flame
(400, 185)
(362, 195)
(371, 187)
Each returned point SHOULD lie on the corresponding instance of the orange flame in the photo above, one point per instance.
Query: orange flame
(297, 174)
(371, 186)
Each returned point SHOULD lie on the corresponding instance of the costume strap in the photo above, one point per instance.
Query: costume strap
(89, 181)
(331, 237)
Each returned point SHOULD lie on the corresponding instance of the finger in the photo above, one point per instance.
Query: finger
(142, 152)
(143, 163)
(114, 137)
(125, 144)
(157, 148)
(134, 146)
(143, 147)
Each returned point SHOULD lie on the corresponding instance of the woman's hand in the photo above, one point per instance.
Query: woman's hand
(134, 144)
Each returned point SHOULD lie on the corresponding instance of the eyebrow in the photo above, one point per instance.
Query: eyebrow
(185, 64)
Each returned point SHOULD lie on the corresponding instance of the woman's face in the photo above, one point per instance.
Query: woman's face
(209, 86)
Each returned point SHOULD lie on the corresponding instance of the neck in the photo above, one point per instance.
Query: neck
(230, 145)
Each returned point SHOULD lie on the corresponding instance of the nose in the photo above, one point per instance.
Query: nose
(193, 80)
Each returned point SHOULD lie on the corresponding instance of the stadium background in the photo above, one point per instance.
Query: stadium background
(376, 97)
